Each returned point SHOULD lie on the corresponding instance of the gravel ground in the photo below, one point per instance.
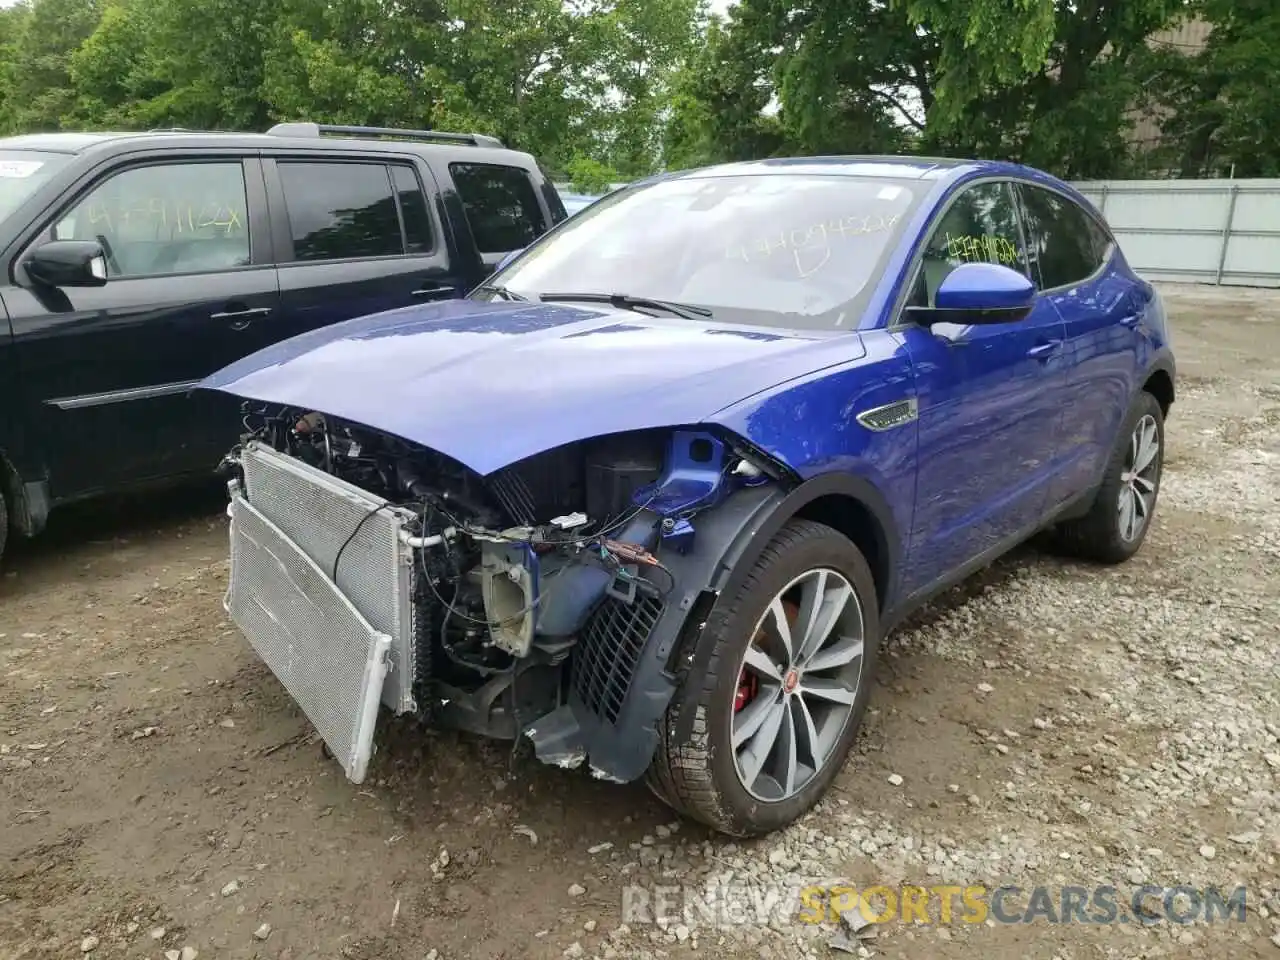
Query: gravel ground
(1045, 724)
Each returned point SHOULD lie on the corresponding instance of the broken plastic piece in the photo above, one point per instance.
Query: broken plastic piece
(557, 740)
(570, 521)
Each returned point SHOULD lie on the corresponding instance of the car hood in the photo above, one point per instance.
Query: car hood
(490, 383)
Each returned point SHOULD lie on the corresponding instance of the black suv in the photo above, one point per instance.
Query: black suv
(133, 265)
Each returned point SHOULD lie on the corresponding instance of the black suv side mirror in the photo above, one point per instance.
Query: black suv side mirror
(68, 263)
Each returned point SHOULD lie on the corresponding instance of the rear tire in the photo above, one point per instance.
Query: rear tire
(809, 708)
(1130, 488)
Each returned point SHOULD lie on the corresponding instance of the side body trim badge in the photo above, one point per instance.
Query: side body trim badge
(896, 414)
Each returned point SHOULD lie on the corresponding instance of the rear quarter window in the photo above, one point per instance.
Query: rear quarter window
(501, 205)
(1064, 241)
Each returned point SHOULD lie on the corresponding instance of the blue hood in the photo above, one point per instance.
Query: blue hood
(489, 384)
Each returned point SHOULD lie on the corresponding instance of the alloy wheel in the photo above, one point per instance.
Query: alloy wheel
(797, 684)
(1139, 479)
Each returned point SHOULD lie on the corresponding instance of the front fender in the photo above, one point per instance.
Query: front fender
(729, 539)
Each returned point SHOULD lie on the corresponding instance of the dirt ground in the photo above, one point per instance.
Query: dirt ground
(1051, 724)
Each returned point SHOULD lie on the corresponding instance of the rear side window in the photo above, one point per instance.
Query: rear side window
(501, 205)
(413, 210)
(348, 211)
(1065, 244)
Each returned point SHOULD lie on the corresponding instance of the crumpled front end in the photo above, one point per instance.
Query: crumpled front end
(544, 600)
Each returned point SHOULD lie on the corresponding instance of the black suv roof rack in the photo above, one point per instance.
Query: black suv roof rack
(307, 129)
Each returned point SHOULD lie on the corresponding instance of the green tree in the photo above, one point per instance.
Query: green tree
(1062, 99)
(719, 109)
(13, 25)
(854, 76)
(41, 94)
(641, 44)
(587, 175)
(1222, 104)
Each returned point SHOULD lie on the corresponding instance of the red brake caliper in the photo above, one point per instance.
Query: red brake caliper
(748, 687)
(749, 683)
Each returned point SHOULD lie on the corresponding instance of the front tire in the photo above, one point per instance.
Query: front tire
(791, 666)
(1116, 525)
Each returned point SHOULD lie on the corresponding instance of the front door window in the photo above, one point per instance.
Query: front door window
(166, 219)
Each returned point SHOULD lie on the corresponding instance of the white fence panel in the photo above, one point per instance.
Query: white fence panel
(1195, 231)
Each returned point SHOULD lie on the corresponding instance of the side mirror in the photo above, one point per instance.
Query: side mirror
(68, 263)
(975, 293)
(507, 259)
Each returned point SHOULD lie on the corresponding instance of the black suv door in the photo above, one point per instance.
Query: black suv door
(106, 371)
(354, 236)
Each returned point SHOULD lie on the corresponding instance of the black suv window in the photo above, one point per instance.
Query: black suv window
(166, 219)
(413, 210)
(980, 226)
(501, 205)
(1066, 244)
(345, 211)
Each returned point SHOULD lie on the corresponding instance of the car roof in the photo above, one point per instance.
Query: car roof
(873, 166)
(286, 135)
(56, 142)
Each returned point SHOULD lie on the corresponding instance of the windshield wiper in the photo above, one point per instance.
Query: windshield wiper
(626, 302)
(503, 292)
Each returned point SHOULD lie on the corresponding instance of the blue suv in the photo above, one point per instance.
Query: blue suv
(652, 495)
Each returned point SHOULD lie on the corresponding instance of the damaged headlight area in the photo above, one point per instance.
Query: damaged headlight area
(371, 572)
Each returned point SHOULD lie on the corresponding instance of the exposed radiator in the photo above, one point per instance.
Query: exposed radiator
(319, 513)
(328, 656)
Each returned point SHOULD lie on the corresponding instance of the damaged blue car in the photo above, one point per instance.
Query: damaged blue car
(651, 496)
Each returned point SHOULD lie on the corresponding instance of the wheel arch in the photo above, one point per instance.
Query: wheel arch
(1159, 379)
(27, 503)
(1159, 383)
(848, 503)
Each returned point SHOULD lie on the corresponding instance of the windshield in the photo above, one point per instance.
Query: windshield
(22, 172)
(788, 250)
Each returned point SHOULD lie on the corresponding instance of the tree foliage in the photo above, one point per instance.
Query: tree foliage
(588, 80)
(1222, 103)
(601, 90)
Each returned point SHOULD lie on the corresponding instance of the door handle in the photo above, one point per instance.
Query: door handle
(240, 318)
(432, 291)
(1043, 351)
